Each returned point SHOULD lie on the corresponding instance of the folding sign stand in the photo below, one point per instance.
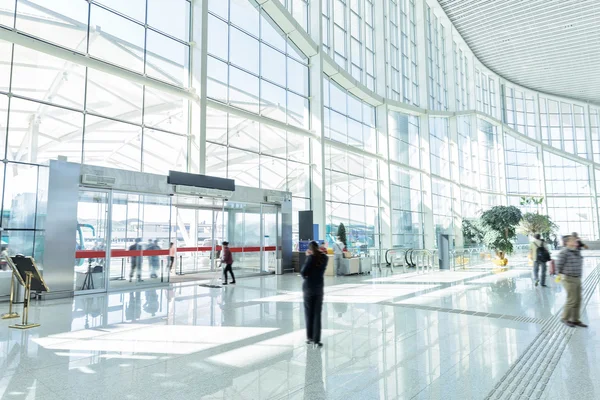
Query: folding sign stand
(29, 274)
(14, 275)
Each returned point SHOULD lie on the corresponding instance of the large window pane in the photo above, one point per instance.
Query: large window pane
(132, 8)
(216, 126)
(273, 66)
(218, 44)
(39, 132)
(60, 22)
(3, 123)
(243, 133)
(7, 13)
(216, 160)
(244, 50)
(112, 144)
(298, 179)
(114, 97)
(272, 173)
(164, 151)
(243, 90)
(42, 77)
(273, 101)
(243, 166)
(245, 15)
(20, 196)
(165, 111)
(5, 61)
(118, 40)
(167, 59)
(216, 84)
(171, 17)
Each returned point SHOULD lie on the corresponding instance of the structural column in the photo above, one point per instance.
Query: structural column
(198, 114)
(317, 147)
(427, 199)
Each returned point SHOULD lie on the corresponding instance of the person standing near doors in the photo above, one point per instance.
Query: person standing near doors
(338, 255)
(172, 253)
(154, 259)
(313, 290)
(539, 254)
(227, 259)
(136, 261)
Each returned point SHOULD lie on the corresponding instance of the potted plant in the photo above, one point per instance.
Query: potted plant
(533, 223)
(472, 232)
(499, 225)
(341, 233)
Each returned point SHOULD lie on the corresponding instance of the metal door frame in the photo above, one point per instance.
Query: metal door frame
(107, 240)
(277, 209)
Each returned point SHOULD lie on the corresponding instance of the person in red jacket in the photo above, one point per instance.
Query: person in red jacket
(227, 259)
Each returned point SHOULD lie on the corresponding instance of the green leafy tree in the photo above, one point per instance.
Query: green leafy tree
(526, 201)
(472, 231)
(499, 226)
(533, 223)
(342, 234)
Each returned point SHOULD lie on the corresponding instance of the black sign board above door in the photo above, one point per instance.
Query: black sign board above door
(201, 181)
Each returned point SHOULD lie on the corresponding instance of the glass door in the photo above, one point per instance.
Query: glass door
(187, 240)
(199, 231)
(92, 238)
(270, 238)
(140, 237)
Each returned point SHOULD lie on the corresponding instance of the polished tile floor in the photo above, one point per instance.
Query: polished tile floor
(444, 335)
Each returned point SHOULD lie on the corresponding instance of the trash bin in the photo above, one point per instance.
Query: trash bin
(279, 268)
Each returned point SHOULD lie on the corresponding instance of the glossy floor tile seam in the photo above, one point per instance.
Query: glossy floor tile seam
(467, 312)
(529, 375)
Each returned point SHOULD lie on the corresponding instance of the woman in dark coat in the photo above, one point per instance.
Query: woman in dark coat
(312, 271)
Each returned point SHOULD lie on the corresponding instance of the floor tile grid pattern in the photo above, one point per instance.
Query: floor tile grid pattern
(528, 377)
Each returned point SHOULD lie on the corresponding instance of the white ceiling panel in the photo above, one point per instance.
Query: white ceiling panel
(549, 45)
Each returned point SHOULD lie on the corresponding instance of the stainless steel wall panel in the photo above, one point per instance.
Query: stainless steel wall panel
(61, 226)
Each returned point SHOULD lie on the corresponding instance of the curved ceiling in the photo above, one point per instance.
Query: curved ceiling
(548, 45)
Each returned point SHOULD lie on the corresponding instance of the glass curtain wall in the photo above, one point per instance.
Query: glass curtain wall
(352, 189)
(259, 121)
(519, 111)
(436, 63)
(253, 66)
(401, 51)
(349, 37)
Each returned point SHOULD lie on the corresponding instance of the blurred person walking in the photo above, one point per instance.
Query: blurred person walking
(313, 289)
(136, 261)
(570, 265)
(580, 244)
(172, 253)
(539, 254)
(227, 259)
(154, 259)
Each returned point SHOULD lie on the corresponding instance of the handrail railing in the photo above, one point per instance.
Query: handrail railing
(423, 260)
(464, 258)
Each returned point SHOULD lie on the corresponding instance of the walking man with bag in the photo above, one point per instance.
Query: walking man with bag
(570, 266)
(538, 252)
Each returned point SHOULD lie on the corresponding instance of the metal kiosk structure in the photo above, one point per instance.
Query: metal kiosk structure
(30, 275)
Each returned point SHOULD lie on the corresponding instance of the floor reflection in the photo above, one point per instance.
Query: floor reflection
(247, 341)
